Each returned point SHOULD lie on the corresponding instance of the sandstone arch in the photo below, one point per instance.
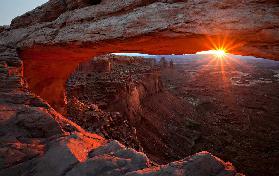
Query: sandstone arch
(247, 28)
(155, 27)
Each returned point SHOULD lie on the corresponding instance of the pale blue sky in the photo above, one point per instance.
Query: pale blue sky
(10, 9)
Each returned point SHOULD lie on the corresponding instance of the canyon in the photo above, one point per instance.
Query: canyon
(171, 102)
(104, 95)
(41, 49)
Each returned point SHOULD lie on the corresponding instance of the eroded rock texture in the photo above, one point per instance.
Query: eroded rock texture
(250, 26)
(36, 140)
(104, 95)
(123, 98)
(158, 27)
(50, 11)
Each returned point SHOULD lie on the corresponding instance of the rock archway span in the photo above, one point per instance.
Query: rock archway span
(155, 27)
(46, 68)
(52, 43)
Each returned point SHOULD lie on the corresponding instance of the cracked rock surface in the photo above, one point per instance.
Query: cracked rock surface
(37, 140)
(251, 26)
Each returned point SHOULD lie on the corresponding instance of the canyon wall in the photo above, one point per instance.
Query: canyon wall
(123, 98)
(157, 27)
(105, 95)
(36, 140)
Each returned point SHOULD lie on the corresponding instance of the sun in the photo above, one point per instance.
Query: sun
(218, 53)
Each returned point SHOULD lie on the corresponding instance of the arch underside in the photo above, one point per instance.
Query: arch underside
(51, 48)
(47, 67)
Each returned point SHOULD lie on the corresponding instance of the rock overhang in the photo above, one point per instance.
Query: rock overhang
(254, 26)
(91, 31)
(140, 26)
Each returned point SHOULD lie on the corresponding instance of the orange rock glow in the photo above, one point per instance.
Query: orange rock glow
(46, 68)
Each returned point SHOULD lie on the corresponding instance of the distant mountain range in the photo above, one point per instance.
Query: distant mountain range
(180, 59)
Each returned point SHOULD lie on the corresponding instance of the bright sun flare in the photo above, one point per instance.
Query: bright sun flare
(218, 53)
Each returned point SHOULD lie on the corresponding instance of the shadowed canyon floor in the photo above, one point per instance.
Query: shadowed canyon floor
(166, 113)
(227, 106)
(36, 140)
(236, 103)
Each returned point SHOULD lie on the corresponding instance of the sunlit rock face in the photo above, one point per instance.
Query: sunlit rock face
(46, 71)
(206, 101)
(155, 27)
(36, 140)
(248, 28)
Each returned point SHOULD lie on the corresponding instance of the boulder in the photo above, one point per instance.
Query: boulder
(37, 140)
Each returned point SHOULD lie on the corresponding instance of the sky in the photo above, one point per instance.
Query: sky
(10, 9)
(198, 55)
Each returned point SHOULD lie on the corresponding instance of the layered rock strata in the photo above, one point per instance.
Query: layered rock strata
(104, 95)
(159, 27)
(36, 140)
(123, 98)
(50, 11)
(248, 28)
(29, 147)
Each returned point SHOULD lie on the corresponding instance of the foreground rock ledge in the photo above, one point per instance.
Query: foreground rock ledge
(36, 140)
